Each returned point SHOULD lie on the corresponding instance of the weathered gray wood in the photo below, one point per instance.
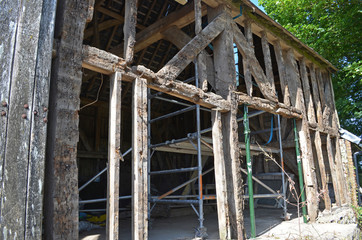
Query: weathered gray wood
(306, 90)
(297, 100)
(21, 76)
(226, 157)
(139, 155)
(326, 111)
(188, 53)
(329, 100)
(9, 15)
(201, 58)
(34, 202)
(246, 64)
(61, 178)
(180, 39)
(322, 169)
(220, 177)
(114, 145)
(268, 106)
(129, 29)
(316, 98)
(248, 52)
(334, 172)
(267, 60)
(282, 72)
(340, 171)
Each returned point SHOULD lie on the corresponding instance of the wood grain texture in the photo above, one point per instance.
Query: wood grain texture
(114, 146)
(246, 64)
(306, 92)
(267, 60)
(61, 189)
(140, 162)
(129, 30)
(21, 78)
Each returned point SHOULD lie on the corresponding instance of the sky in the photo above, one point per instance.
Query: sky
(257, 4)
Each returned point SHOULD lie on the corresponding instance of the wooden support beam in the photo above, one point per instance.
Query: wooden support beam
(293, 79)
(267, 60)
(201, 58)
(228, 179)
(101, 27)
(180, 39)
(248, 52)
(316, 98)
(139, 156)
(246, 64)
(268, 106)
(129, 30)
(322, 169)
(107, 63)
(152, 33)
(188, 53)
(341, 172)
(306, 90)
(61, 214)
(282, 72)
(334, 172)
(114, 145)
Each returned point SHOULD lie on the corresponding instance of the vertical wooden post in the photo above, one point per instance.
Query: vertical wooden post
(228, 178)
(340, 171)
(267, 60)
(246, 66)
(332, 165)
(139, 155)
(282, 72)
(61, 185)
(129, 29)
(114, 144)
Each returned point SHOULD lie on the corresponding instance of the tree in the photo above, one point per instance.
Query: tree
(334, 30)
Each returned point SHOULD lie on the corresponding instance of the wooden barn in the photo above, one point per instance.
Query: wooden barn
(138, 105)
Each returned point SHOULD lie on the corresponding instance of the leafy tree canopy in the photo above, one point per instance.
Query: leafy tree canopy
(334, 30)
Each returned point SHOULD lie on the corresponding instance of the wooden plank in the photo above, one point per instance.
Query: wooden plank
(61, 177)
(201, 58)
(114, 145)
(180, 39)
(293, 79)
(334, 173)
(34, 202)
(316, 98)
(282, 72)
(267, 60)
(322, 169)
(101, 27)
(9, 15)
(129, 30)
(152, 33)
(326, 111)
(224, 220)
(332, 121)
(306, 90)
(347, 159)
(139, 155)
(24, 28)
(228, 180)
(246, 64)
(188, 53)
(248, 52)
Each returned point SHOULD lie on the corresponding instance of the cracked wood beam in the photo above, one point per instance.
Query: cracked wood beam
(152, 33)
(256, 70)
(188, 53)
(129, 30)
(107, 63)
(268, 106)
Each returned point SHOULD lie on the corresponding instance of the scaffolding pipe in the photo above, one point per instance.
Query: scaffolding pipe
(250, 172)
(103, 199)
(180, 103)
(199, 159)
(355, 156)
(179, 170)
(149, 154)
(155, 200)
(184, 184)
(173, 141)
(300, 172)
(101, 172)
(283, 173)
(172, 114)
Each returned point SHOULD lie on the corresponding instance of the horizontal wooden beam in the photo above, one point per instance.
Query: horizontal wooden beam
(268, 106)
(104, 62)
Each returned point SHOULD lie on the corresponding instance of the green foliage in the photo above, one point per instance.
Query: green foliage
(334, 30)
(358, 213)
